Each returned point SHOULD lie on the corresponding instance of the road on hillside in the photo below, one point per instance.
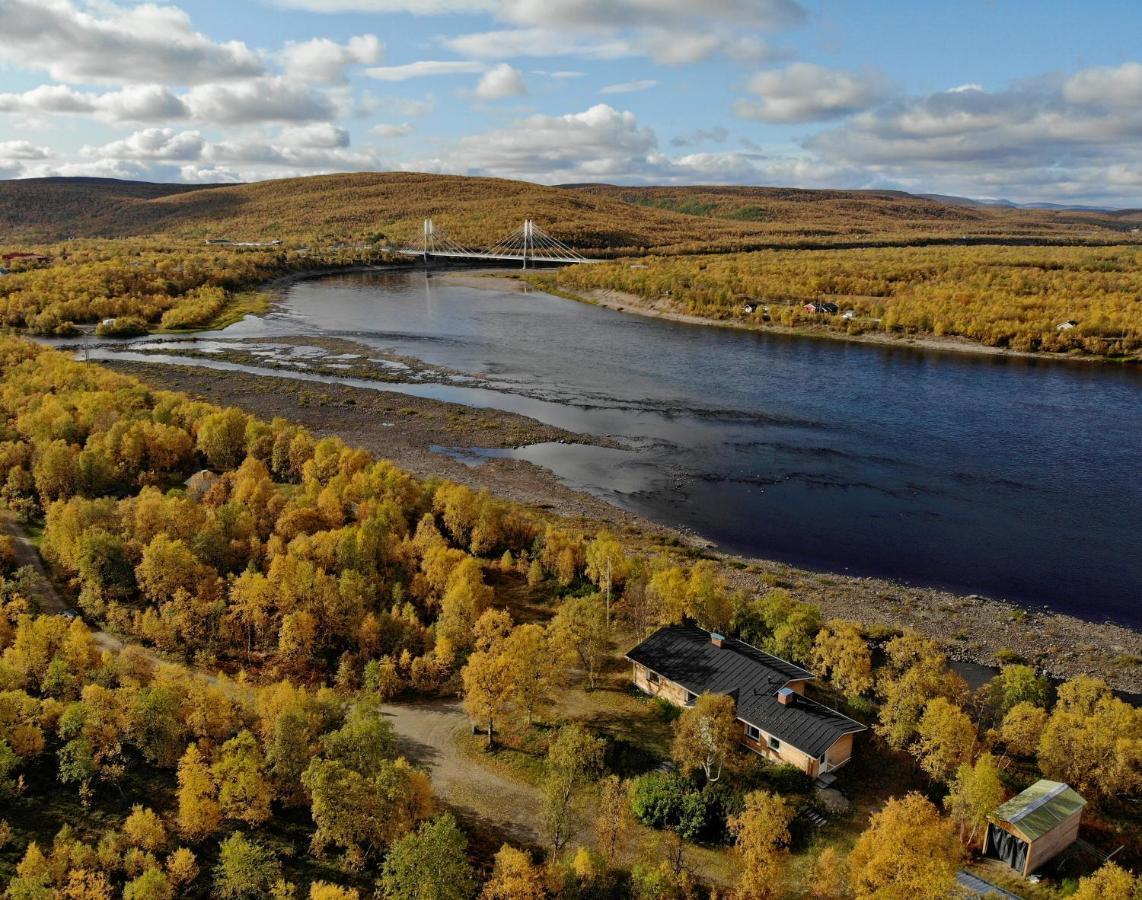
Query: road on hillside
(427, 735)
(427, 732)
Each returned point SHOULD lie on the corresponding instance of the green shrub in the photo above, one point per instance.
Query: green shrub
(668, 800)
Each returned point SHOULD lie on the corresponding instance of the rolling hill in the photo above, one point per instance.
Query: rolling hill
(478, 211)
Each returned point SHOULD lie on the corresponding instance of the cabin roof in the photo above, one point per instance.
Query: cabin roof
(1039, 809)
(686, 656)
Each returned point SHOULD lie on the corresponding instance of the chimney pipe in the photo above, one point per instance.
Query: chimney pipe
(717, 639)
(786, 696)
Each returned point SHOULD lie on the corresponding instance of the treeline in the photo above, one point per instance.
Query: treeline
(130, 287)
(1011, 297)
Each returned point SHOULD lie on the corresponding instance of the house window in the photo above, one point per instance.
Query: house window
(753, 733)
(774, 743)
(652, 677)
(690, 698)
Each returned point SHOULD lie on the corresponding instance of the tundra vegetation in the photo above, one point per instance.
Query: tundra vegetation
(358, 208)
(1010, 297)
(275, 590)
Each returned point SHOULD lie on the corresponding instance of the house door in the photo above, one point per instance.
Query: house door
(1006, 846)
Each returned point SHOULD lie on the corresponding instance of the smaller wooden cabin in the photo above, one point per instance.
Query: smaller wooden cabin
(1035, 826)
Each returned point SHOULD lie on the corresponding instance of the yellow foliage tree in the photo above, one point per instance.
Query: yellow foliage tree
(514, 877)
(841, 653)
(706, 735)
(945, 738)
(1022, 728)
(1110, 882)
(199, 814)
(761, 835)
(906, 852)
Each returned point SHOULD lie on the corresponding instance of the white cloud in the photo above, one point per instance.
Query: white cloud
(135, 103)
(257, 100)
(391, 131)
(715, 135)
(301, 149)
(194, 174)
(424, 68)
(671, 46)
(266, 99)
(678, 48)
(805, 92)
(152, 144)
(11, 150)
(1033, 141)
(106, 43)
(654, 13)
(1117, 88)
(128, 170)
(604, 144)
(630, 87)
(418, 7)
(598, 143)
(501, 81)
(513, 43)
(324, 61)
(141, 103)
(754, 13)
(320, 135)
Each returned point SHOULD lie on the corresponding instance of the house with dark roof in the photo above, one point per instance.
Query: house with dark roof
(678, 663)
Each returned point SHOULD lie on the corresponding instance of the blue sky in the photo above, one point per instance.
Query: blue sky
(1027, 101)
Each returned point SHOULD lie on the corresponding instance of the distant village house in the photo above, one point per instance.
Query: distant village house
(678, 663)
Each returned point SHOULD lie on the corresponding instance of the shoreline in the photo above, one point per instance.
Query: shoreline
(412, 431)
(622, 301)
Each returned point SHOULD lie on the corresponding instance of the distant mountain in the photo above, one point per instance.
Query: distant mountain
(1010, 204)
(601, 217)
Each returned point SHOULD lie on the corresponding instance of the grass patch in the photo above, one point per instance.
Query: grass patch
(506, 761)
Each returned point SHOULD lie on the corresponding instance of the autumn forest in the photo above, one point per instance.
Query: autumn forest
(214, 626)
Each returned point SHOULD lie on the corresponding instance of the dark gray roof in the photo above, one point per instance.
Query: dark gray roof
(686, 656)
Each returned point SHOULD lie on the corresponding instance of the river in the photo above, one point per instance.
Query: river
(1015, 478)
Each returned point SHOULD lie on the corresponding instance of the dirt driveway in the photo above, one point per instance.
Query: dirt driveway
(426, 735)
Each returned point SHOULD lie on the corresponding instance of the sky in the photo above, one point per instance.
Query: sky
(1026, 101)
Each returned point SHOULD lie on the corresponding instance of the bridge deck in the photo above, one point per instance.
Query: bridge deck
(513, 257)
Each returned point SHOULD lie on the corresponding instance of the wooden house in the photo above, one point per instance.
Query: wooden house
(678, 663)
(1034, 826)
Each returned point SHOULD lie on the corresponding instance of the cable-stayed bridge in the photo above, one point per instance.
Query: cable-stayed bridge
(529, 245)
